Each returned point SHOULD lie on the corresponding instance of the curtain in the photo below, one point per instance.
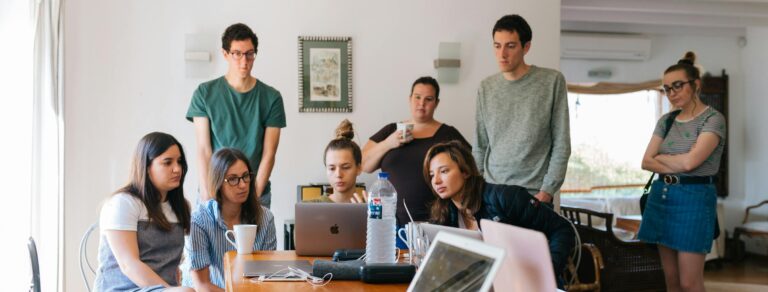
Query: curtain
(614, 88)
(47, 142)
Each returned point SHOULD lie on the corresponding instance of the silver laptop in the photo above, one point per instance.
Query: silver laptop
(431, 230)
(322, 228)
(458, 263)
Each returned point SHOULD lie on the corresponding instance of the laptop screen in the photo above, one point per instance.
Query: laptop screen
(451, 268)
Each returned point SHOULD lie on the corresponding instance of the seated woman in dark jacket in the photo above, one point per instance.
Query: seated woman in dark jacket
(463, 198)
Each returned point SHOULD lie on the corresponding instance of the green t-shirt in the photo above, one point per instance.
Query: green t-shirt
(238, 120)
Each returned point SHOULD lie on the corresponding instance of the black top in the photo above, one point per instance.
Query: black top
(515, 206)
(404, 165)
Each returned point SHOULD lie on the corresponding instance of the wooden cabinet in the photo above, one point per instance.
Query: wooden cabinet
(714, 93)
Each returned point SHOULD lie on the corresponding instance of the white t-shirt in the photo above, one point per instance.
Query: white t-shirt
(124, 211)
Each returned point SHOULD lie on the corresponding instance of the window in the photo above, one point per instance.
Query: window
(16, 122)
(609, 134)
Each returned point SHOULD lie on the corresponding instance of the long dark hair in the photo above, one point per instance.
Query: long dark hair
(140, 186)
(221, 161)
(471, 194)
(343, 141)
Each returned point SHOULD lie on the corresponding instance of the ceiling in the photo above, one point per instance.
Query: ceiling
(699, 17)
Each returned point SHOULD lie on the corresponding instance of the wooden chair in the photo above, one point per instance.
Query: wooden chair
(585, 275)
(627, 265)
(752, 228)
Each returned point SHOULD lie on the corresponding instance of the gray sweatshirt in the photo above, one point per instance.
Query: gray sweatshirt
(523, 135)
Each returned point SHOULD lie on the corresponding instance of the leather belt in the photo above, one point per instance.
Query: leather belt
(673, 179)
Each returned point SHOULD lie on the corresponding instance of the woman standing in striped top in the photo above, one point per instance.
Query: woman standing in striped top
(680, 212)
(231, 178)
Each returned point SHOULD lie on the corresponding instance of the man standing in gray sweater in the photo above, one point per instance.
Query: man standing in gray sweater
(523, 136)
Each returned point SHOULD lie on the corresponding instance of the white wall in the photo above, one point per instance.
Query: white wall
(746, 70)
(125, 77)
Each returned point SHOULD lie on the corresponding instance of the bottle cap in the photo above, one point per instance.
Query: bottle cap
(383, 175)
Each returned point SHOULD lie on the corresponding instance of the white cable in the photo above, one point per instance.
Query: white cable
(300, 274)
(577, 250)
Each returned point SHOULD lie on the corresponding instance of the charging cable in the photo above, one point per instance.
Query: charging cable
(294, 273)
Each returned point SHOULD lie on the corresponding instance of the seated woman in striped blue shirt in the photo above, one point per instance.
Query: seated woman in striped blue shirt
(232, 185)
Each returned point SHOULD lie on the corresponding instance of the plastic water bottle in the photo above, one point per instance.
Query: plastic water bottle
(380, 239)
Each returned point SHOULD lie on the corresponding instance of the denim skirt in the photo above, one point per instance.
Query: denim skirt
(681, 216)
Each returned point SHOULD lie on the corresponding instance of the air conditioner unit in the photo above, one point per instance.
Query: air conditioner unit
(605, 47)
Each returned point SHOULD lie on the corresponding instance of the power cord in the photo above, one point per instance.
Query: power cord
(297, 274)
(576, 254)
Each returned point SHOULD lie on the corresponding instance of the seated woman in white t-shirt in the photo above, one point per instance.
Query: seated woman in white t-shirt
(143, 223)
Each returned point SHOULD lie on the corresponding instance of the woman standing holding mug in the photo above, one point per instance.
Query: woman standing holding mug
(399, 151)
(231, 178)
(680, 213)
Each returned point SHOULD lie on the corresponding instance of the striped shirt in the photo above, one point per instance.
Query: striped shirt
(206, 244)
(683, 135)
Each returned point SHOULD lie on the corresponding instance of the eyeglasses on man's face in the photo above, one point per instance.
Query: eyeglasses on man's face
(249, 55)
(235, 180)
(675, 86)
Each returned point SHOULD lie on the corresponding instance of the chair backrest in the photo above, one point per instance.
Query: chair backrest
(87, 269)
(746, 212)
(34, 286)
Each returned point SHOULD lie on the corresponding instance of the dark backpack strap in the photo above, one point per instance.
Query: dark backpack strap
(668, 122)
(667, 126)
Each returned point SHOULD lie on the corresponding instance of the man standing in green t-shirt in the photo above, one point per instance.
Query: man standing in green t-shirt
(238, 111)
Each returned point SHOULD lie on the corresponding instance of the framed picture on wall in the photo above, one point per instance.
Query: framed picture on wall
(325, 74)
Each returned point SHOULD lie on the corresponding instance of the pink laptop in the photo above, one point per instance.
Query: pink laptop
(527, 265)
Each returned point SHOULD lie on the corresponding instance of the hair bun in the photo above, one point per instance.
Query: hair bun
(689, 58)
(344, 130)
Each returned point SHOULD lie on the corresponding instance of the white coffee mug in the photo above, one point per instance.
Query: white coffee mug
(245, 235)
(406, 128)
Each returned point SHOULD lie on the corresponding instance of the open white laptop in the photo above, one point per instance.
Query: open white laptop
(457, 263)
(322, 228)
(431, 230)
(527, 265)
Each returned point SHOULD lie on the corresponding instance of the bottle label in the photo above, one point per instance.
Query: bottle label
(374, 208)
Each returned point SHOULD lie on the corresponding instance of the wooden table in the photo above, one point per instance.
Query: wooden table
(233, 271)
(629, 222)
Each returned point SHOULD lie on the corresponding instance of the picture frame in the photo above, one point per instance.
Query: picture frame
(325, 74)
